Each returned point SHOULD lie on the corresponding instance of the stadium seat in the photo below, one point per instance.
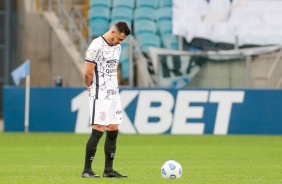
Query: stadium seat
(124, 3)
(146, 13)
(124, 62)
(147, 40)
(145, 26)
(103, 3)
(98, 27)
(165, 27)
(122, 13)
(147, 3)
(99, 13)
(163, 14)
(164, 3)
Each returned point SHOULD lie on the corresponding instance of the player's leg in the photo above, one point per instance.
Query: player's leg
(97, 131)
(110, 151)
(110, 146)
(111, 138)
(91, 147)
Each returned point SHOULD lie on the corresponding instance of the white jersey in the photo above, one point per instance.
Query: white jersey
(104, 100)
(106, 58)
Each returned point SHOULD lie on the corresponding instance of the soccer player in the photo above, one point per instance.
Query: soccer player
(100, 76)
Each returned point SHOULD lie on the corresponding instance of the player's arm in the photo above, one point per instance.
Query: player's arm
(88, 72)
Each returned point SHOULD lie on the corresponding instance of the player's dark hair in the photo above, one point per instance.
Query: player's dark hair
(123, 28)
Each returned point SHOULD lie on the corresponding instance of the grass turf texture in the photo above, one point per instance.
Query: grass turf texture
(58, 158)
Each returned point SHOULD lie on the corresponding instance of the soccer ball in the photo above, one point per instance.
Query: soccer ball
(171, 170)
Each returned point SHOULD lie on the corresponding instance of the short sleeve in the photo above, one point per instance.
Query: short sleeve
(92, 51)
(91, 55)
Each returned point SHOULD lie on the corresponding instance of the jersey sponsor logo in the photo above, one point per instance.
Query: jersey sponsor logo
(111, 61)
(112, 65)
(108, 71)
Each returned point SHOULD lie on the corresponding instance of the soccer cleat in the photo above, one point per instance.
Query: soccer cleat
(89, 174)
(113, 174)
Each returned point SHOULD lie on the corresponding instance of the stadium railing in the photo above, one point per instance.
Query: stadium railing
(73, 18)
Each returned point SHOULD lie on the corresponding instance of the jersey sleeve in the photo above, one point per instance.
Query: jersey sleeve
(92, 52)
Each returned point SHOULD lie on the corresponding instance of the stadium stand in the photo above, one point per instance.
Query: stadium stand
(215, 22)
(221, 21)
(121, 13)
(147, 3)
(145, 26)
(165, 27)
(103, 3)
(147, 40)
(165, 3)
(98, 18)
(124, 60)
(209, 31)
(163, 14)
(152, 18)
(144, 13)
(124, 3)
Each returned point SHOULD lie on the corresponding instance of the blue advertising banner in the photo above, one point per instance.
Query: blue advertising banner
(150, 111)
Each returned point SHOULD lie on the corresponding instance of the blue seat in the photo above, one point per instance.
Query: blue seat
(104, 3)
(165, 27)
(147, 40)
(98, 27)
(146, 13)
(163, 14)
(147, 3)
(145, 26)
(169, 41)
(99, 12)
(124, 3)
(163, 3)
(124, 62)
(122, 13)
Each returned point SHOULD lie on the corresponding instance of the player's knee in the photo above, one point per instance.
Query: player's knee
(112, 134)
(100, 128)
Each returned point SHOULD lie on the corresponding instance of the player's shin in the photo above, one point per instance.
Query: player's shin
(91, 148)
(110, 149)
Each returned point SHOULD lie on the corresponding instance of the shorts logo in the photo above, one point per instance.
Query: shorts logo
(102, 116)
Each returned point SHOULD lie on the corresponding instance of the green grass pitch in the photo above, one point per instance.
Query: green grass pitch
(59, 157)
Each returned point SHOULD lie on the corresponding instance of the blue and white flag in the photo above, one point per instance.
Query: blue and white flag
(21, 72)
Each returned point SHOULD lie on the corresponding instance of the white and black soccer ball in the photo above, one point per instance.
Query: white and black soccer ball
(171, 169)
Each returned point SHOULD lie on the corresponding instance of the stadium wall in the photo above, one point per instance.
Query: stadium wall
(150, 111)
(45, 42)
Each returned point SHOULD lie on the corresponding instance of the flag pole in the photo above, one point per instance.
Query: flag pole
(26, 116)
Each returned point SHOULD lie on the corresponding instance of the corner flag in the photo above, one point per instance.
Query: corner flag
(21, 72)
